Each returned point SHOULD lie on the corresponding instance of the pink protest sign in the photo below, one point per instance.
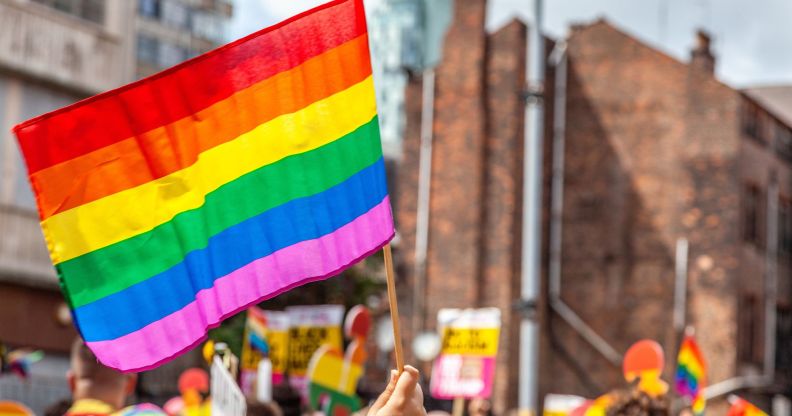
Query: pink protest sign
(466, 365)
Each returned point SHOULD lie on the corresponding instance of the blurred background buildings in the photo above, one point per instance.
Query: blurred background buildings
(54, 53)
(169, 32)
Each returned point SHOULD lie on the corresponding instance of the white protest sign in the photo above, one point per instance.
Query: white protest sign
(227, 397)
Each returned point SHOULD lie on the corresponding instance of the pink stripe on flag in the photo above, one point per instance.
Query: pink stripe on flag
(264, 278)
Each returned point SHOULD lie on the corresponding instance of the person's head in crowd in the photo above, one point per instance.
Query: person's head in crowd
(634, 402)
(58, 408)
(256, 408)
(90, 380)
(288, 399)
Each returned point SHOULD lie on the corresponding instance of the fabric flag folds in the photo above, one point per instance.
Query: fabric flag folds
(181, 199)
(691, 375)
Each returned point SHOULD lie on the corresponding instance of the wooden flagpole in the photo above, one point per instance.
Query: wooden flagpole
(394, 308)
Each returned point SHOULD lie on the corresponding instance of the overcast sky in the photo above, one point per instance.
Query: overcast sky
(752, 38)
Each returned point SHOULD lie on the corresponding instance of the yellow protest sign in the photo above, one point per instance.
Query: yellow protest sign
(311, 327)
(470, 341)
(466, 365)
(266, 334)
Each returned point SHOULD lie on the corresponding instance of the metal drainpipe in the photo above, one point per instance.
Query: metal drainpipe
(771, 313)
(680, 291)
(528, 392)
(424, 193)
(559, 59)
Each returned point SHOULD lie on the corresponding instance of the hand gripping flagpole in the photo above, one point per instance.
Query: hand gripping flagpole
(394, 308)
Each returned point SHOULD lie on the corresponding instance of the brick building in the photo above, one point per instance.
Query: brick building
(656, 150)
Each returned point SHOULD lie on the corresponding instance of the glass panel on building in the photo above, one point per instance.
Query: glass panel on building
(750, 120)
(175, 13)
(149, 8)
(91, 10)
(170, 55)
(147, 49)
(753, 215)
(785, 228)
(783, 142)
(207, 26)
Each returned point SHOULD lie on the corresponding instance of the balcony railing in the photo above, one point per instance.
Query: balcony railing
(62, 49)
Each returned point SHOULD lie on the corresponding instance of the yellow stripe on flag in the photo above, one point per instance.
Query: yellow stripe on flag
(134, 211)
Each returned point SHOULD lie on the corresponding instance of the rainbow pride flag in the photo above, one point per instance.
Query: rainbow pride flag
(691, 374)
(742, 407)
(176, 201)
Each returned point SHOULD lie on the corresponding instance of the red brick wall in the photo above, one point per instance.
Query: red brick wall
(651, 156)
(653, 153)
(500, 275)
(458, 164)
(405, 211)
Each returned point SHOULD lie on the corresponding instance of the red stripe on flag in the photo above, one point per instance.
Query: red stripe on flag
(187, 88)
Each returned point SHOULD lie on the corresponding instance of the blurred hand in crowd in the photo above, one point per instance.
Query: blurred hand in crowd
(402, 396)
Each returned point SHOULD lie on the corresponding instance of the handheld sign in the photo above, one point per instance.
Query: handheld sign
(266, 335)
(645, 361)
(227, 398)
(311, 327)
(332, 376)
(466, 365)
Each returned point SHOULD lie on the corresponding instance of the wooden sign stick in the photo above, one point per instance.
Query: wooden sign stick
(459, 406)
(394, 308)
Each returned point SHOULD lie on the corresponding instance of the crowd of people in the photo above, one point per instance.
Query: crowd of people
(99, 390)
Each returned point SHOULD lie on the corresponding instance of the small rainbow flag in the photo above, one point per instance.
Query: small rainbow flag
(742, 407)
(176, 201)
(691, 374)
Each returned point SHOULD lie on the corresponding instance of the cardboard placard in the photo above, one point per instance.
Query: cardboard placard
(227, 397)
(310, 328)
(270, 328)
(466, 365)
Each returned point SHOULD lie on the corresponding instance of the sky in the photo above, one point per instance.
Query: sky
(752, 40)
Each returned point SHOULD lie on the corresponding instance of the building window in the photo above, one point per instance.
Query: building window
(783, 142)
(170, 55)
(91, 10)
(785, 228)
(784, 341)
(753, 215)
(207, 26)
(147, 49)
(149, 8)
(749, 347)
(750, 120)
(175, 14)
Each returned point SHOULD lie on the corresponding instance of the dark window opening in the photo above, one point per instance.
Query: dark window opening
(91, 10)
(753, 216)
(147, 49)
(748, 345)
(785, 228)
(750, 120)
(149, 8)
(784, 342)
(783, 142)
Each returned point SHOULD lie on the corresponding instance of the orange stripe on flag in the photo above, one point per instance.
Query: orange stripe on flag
(173, 147)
